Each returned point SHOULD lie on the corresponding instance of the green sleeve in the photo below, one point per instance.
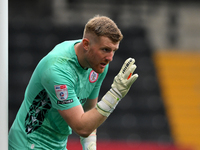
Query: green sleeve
(55, 77)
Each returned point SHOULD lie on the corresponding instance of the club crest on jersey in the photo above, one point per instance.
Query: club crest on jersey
(61, 92)
(93, 76)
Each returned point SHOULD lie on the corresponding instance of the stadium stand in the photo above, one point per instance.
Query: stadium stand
(142, 120)
(178, 73)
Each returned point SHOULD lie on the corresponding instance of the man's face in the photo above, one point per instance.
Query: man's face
(100, 53)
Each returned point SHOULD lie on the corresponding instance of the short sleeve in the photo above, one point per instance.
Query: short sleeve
(59, 85)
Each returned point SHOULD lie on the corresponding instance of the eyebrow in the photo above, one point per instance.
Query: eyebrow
(110, 49)
(107, 47)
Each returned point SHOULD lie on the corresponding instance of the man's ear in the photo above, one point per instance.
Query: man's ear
(86, 43)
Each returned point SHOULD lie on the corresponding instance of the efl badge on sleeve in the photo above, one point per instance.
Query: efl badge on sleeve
(93, 76)
(61, 92)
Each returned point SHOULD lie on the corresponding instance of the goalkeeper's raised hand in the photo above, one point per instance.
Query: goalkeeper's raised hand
(120, 87)
(124, 79)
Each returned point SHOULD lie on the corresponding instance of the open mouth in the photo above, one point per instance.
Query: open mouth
(103, 65)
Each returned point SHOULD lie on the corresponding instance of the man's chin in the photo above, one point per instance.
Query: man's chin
(99, 70)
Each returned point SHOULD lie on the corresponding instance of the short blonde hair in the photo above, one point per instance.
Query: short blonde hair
(103, 26)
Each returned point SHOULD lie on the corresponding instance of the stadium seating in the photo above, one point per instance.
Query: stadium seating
(178, 73)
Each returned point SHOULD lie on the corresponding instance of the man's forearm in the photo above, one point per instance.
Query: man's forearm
(91, 120)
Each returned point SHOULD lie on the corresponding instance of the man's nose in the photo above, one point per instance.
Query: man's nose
(110, 56)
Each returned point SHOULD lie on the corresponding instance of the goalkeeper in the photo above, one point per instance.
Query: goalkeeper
(62, 94)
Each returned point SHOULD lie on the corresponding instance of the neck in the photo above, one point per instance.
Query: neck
(79, 50)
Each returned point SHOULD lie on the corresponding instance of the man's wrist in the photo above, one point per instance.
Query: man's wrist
(89, 143)
(108, 102)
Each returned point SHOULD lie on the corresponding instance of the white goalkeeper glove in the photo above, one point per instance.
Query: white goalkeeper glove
(120, 87)
(89, 143)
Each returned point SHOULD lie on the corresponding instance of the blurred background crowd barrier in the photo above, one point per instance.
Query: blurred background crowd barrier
(163, 105)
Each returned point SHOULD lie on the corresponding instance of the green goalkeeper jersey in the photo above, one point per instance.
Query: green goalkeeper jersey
(57, 83)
